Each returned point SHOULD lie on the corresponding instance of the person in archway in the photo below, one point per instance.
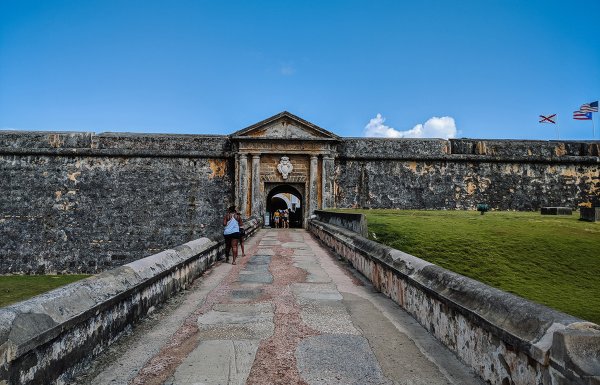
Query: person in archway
(276, 218)
(286, 219)
(232, 222)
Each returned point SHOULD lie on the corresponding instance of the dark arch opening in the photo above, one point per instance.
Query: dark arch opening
(279, 203)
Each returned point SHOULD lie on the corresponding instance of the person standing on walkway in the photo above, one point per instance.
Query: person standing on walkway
(232, 222)
(242, 234)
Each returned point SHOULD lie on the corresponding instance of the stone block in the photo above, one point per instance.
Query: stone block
(590, 214)
(577, 349)
(557, 211)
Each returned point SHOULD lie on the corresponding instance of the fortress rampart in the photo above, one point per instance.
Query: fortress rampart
(85, 202)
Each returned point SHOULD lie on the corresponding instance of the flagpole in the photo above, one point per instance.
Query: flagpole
(593, 128)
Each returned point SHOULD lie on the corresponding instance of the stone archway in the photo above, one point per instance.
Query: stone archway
(273, 202)
(284, 150)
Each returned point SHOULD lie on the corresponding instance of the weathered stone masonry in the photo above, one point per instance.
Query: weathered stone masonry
(81, 202)
(458, 174)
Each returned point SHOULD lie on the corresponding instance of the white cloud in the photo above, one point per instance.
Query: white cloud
(287, 70)
(435, 127)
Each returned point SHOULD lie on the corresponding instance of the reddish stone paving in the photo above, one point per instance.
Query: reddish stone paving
(275, 361)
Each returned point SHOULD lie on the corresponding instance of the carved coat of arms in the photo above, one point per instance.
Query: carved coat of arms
(285, 167)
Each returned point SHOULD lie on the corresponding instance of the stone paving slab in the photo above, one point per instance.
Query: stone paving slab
(256, 277)
(295, 245)
(338, 360)
(266, 251)
(256, 270)
(309, 292)
(328, 317)
(306, 252)
(315, 273)
(246, 294)
(269, 243)
(237, 321)
(225, 362)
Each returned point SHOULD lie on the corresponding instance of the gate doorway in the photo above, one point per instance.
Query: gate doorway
(286, 197)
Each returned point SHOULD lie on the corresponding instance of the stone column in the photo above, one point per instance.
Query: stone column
(236, 182)
(327, 175)
(312, 185)
(256, 195)
(243, 184)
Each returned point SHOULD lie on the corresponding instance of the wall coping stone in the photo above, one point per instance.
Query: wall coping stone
(59, 143)
(566, 159)
(65, 143)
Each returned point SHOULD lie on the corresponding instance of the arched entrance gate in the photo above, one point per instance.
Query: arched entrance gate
(284, 154)
(285, 197)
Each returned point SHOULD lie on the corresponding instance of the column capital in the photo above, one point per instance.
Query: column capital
(256, 156)
(242, 155)
(314, 157)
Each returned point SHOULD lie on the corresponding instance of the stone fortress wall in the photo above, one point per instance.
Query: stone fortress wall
(81, 202)
(460, 173)
(85, 202)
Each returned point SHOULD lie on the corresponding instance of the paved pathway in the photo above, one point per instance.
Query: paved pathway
(287, 313)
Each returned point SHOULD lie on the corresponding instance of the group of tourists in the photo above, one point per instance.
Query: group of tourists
(234, 230)
(281, 219)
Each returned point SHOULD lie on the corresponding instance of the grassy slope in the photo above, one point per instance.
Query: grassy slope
(15, 288)
(547, 259)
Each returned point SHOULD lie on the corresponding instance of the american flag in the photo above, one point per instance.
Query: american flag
(580, 115)
(589, 107)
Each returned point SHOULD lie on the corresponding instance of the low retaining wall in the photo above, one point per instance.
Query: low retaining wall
(350, 221)
(50, 337)
(504, 338)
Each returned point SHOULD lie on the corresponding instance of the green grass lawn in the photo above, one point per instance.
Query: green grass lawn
(15, 288)
(553, 260)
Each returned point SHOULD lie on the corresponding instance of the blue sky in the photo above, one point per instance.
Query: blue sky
(468, 68)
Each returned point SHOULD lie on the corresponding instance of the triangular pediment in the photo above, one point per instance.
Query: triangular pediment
(284, 126)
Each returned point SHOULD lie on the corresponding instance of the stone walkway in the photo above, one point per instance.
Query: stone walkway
(287, 313)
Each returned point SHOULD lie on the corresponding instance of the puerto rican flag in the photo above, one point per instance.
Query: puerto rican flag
(581, 115)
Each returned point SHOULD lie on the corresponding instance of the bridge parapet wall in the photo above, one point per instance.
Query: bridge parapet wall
(52, 336)
(504, 338)
(350, 221)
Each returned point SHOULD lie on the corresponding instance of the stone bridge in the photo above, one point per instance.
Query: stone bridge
(322, 305)
(289, 312)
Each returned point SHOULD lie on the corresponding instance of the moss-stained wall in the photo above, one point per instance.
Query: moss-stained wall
(81, 202)
(458, 174)
(85, 203)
